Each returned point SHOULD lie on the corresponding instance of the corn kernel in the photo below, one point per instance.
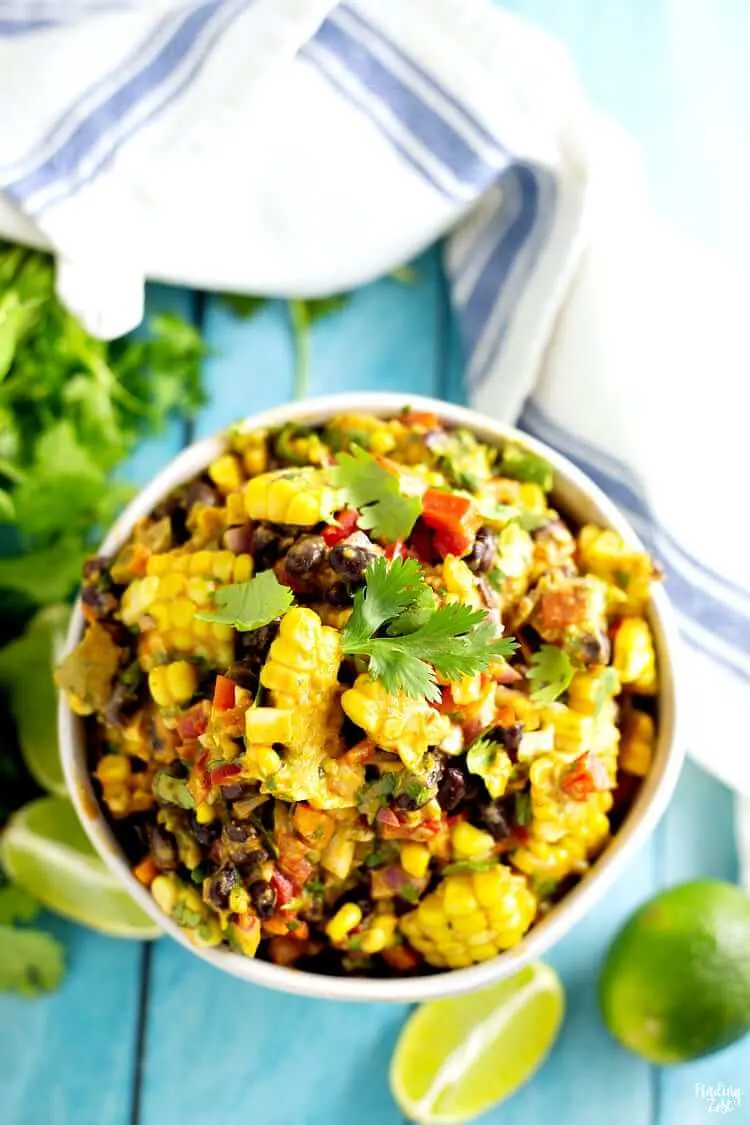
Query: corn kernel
(242, 569)
(483, 952)
(471, 843)
(225, 473)
(164, 893)
(182, 613)
(204, 813)
(373, 940)
(634, 658)
(171, 585)
(346, 918)
(415, 859)
(268, 761)
(459, 897)
(267, 724)
(637, 747)
(113, 767)
(458, 579)
(182, 680)
(200, 563)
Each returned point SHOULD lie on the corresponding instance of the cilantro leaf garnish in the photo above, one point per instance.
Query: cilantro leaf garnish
(31, 961)
(376, 494)
(551, 672)
(454, 641)
(250, 605)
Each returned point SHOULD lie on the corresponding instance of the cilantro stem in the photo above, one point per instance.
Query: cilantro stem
(300, 321)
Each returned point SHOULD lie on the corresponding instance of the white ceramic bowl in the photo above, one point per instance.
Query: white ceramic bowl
(578, 498)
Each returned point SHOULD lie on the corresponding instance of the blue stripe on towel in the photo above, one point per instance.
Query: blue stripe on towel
(9, 27)
(471, 124)
(415, 119)
(144, 92)
(715, 617)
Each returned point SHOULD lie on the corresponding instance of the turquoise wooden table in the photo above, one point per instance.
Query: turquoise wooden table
(145, 1034)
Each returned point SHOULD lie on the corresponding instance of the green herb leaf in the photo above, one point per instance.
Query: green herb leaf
(376, 493)
(480, 756)
(544, 888)
(522, 810)
(454, 641)
(172, 791)
(551, 672)
(250, 605)
(244, 305)
(462, 866)
(520, 465)
(31, 962)
(410, 892)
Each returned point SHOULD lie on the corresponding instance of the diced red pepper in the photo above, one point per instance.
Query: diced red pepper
(284, 888)
(579, 781)
(422, 418)
(220, 775)
(422, 543)
(194, 722)
(224, 694)
(347, 523)
(447, 513)
(396, 550)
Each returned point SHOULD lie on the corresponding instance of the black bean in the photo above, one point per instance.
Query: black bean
(265, 546)
(163, 848)
(452, 789)
(405, 803)
(239, 540)
(236, 833)
(350, 561)
(236, 790)
(201, 491)
(258, 641)
(204, 834)
(220, 885)
(338, 595)
(96, 568)
(496, 817)
(304, 555)
(263, 897)
(508, 737)
(594, 648)
(482, 555)
(121, 705)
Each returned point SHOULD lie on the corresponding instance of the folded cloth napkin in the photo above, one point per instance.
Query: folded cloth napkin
(298, 147)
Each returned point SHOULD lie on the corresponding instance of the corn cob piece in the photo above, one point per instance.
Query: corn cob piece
(634, 656)
(395, 721)
(540, 859)
(471, 918)
(638, 741)
(296, 496)
(163, 605)
(602, 552)
(301, 674)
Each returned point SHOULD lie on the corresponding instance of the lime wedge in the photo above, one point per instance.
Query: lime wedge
(45, 850)
(457, 1058)
(26, 673)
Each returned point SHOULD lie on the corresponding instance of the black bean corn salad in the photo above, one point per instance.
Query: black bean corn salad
(359, 700)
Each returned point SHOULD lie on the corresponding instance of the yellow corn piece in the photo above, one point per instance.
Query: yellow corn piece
(415, 859)
(123, 791)
(638, 742)
(226, 473)
(296, 496)
(592, 689)
(574, 732)
(396, 722)
(471, 918)
(173, 684)
(163, 605)
(343, 922)
(460, 582)
(264, 725)
(469, 842)
(603, 552)
(542, 859)
(634, 657)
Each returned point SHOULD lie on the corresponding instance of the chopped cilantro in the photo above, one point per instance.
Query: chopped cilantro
(463, 865)
(522, 810)
(551, 672)
(376, 494)
(250, 605)
(172, 791)
(518, 464)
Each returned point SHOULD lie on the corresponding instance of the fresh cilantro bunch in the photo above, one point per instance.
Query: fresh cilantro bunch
(376, 494)
(452, 642)
(71, 409)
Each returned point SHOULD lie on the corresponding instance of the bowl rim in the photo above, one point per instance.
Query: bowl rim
(651, 800)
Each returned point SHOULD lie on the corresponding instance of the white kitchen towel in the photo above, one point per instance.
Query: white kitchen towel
(298, 147)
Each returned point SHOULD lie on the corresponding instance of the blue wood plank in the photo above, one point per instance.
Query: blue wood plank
(237, 1045)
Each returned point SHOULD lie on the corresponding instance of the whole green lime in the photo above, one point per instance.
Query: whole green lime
(675, 984)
